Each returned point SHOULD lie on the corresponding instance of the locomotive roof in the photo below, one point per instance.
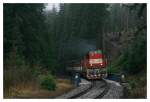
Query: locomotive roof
(97, 51)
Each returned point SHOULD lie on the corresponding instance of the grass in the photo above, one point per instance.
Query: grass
(138, 85)
(138, 92)
(33, 90)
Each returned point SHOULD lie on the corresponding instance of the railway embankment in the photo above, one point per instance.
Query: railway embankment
(115, 90)
(100, 89)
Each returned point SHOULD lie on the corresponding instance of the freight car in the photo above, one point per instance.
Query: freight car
(93, 65)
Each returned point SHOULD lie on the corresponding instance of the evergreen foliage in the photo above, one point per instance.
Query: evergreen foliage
(47, 82)
(49, 39)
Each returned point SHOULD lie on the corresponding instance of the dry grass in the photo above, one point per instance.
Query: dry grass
(32, 90)
(139, 92)
(138, 87)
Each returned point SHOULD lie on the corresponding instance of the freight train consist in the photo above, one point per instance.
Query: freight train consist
(93, 65)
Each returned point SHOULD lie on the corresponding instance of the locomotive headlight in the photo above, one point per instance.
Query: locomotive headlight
(101, 64)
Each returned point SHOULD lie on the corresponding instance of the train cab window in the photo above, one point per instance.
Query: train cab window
(97, 71)
(89, 71)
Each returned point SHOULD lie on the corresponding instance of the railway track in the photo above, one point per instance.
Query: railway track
(81, 93)
(98, 90)
(94, 90)
(76, 92)
(107, 87)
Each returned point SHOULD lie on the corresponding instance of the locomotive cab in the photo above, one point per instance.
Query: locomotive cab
(95, 65)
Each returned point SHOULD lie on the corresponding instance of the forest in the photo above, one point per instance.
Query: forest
(39, 43)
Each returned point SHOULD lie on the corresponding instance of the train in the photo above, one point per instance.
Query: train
(92, 66)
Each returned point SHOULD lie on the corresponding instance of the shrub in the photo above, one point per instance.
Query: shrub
(16, 71)
(47, 82)
(135, 56)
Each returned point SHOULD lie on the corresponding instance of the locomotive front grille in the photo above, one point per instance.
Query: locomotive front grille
(96, 73)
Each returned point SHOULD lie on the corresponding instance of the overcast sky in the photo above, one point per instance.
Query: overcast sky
(49, 6)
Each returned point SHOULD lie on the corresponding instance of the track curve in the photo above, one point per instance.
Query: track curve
(94, 90)
(107, 87)
(99, 89)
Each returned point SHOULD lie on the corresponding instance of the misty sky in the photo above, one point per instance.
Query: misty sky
(49, 6)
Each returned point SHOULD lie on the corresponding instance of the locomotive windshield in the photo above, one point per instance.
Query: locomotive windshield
(93, 71)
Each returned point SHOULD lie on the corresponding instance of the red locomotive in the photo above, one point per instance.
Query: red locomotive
(93, 66)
